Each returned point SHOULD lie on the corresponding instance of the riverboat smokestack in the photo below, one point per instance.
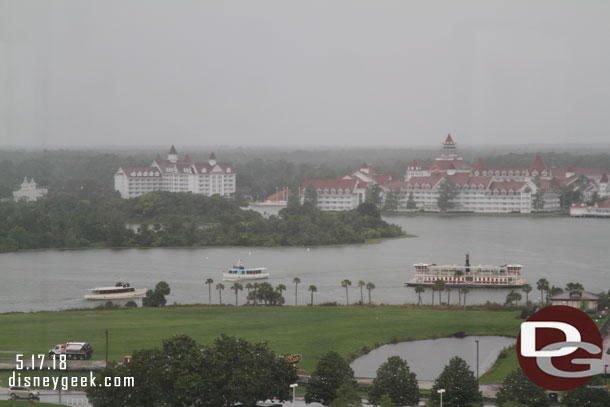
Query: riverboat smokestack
(467, 263)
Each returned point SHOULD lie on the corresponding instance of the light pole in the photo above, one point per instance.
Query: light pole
(106, 331)
(441, 391)
(477, 341)
(294, 390)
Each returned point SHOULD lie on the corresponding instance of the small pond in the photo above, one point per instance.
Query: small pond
(428, 358)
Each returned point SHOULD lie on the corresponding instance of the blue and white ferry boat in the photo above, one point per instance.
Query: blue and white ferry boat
(238, 272)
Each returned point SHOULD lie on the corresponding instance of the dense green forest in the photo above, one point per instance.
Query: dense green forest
(90, 218)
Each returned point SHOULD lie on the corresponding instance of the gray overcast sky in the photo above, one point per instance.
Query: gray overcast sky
(358, 73)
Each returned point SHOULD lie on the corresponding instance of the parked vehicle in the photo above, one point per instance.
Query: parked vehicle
(16, 392)
(73, 350)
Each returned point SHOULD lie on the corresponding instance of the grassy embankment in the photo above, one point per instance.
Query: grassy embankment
(306, 330)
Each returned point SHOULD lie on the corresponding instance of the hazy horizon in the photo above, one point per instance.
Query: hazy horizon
(304, 74)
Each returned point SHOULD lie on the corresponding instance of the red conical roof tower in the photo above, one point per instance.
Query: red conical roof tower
(479, 165)
(538, 164)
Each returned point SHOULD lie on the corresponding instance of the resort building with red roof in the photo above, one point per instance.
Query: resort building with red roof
(175, 175)
(479, 189)
(599, 209)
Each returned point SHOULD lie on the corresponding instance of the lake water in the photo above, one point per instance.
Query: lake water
(559, 249)
(428, 358)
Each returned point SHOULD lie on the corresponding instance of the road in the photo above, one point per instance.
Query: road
(78, 398)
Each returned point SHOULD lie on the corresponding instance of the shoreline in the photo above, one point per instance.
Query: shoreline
(366, 242)
(476, 214)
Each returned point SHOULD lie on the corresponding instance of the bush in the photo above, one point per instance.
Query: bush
(131, 304)
(156, 298)
(108, 305)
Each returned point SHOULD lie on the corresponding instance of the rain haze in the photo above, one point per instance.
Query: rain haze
(303, 73)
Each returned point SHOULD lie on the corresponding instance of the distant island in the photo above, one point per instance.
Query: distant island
(166, 219)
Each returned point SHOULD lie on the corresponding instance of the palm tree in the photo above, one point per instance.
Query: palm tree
(439, 285)
(369, 287)
(527, 289)
(465, 291)
(236, 287)
(419, 289)
(220, 287)
(459, 273)
(542, 285)
(281, 288)
(312, 289)
(255, 287)
(296, 282)
(448, 289)
(361, 284)
(345, 284)
(574, 286)
(249, 286)
(433, 290)
(209, 282)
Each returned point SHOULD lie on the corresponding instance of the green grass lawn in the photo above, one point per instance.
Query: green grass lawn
(311, 331)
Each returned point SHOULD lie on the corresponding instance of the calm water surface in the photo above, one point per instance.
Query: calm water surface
(428, 358)
(559, 249)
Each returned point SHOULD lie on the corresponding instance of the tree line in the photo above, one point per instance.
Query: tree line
(260, 171)
(232, 371)
(513, 298)
(160, 219)
(265, 294)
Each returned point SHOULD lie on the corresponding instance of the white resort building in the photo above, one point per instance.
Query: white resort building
(597, 210)
(175, 175)
(347, 192)
(29, 191)
(479, 189)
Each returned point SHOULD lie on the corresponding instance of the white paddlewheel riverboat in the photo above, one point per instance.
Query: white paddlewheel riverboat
(504, 276)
